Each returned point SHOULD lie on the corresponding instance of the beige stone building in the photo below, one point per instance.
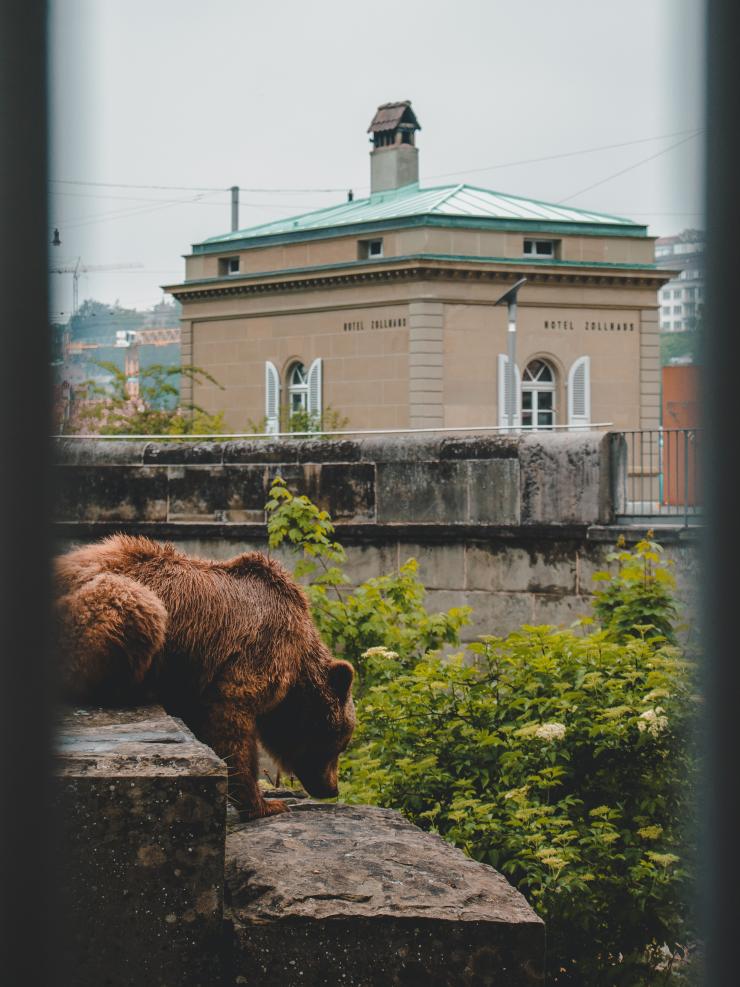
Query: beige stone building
(383, 309)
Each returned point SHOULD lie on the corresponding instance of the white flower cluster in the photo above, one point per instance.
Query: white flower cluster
(550, 731)
(379, 652)
(652, 721)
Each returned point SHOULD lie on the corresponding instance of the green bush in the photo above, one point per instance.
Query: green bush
(562, 757)
(387, 612)
(640, 594)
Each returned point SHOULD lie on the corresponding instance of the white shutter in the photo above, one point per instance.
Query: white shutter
(503, 383)
(579, 393)
(272, 398)
(314, 390)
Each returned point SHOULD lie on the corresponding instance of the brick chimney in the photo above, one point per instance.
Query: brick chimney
(394, 159)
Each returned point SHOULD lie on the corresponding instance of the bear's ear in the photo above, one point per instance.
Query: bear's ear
(341, 674)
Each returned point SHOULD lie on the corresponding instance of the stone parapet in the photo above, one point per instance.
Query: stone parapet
(143, 805)
(488, 480)
(338, 894)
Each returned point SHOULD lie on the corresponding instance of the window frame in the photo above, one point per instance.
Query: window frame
(535, 387)
(536, 242)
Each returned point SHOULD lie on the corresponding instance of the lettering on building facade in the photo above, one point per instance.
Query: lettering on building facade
(590, 326)
(359, 325)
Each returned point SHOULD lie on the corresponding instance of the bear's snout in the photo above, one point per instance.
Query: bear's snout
(320, 785)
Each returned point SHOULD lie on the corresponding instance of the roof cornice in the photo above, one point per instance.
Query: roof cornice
(422, 268)
(231, 244)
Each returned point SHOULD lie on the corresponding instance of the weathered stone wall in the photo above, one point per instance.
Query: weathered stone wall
(514, 526)
(161, 892)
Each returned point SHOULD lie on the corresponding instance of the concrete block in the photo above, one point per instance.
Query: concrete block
(547, 568)
(494, 492)
(110, 493)
(422, 492)
(182, 453)
(331, 894)
(565, 478)
(440, 566)
(144, 808)
(560, 611)
(493, 613)
(98, 452)
(369, 561)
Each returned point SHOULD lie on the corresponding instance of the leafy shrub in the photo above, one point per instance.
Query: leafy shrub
(561, 759)
(639, 594)
(564, 758)
(387, 612)
(330, 420)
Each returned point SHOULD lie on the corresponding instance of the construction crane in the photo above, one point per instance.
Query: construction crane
(132, 339)
(79, 268)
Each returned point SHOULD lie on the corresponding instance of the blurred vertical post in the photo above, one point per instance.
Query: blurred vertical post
(27, 840)
(721, 550)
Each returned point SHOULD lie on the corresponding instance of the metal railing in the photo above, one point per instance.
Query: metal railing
(656, 475)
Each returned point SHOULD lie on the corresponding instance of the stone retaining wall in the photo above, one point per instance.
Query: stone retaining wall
(514, 526)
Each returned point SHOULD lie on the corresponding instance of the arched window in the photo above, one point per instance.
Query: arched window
(538, 395)
(297, 389)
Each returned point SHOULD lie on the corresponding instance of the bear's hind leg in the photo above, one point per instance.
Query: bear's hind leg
(108, 632)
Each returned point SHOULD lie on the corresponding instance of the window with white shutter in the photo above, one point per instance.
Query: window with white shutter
(272, 398)
(314, 390)
(579, 393)
(503, 392)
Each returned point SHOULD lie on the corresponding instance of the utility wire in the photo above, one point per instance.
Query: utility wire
(460, 171)
(628, 168)
(567, 154)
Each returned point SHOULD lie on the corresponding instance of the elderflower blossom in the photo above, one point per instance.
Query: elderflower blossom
(650, 832)
(652, 721)
(380, 652)
(550, 731)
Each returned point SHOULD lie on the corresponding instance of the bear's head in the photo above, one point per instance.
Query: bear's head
(311, 727)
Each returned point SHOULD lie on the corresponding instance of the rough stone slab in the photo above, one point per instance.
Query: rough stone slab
(115, 493)
(144, 809)
(356, 895)
(565, 478)
(170, 453)
(494, 492)
(425, 492)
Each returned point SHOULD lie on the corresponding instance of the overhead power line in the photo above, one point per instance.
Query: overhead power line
(188, 188)
(631, 167)
(291, 191)
(567, 154)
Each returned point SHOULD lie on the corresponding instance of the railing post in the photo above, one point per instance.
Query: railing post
(685, 478)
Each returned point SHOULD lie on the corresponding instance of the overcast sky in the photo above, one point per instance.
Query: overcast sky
(159, 106)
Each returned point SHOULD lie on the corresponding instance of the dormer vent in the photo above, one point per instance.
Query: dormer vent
(394, 159)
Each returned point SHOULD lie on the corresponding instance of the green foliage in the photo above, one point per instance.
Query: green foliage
(639, 597)
(680, 344)
(330, 420)
(387, 612)
(561, 759)
(109, 410)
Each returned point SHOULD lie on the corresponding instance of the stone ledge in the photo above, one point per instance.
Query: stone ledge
(329, 894)
(143, 805)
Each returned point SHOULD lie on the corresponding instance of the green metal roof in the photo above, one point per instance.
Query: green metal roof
(444, 205)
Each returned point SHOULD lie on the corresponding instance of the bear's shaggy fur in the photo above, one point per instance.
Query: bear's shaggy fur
(230, 647)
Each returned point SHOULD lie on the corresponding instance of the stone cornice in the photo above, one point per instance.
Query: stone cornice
(429, 270)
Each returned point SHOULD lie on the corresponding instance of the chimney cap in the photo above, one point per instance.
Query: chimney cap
(389, 116)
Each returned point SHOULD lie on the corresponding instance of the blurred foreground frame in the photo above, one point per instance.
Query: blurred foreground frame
(29, 921)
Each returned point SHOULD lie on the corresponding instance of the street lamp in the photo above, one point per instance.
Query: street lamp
(509, 297)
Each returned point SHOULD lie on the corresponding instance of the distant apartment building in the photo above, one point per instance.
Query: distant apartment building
(384, 308)
(681, 298)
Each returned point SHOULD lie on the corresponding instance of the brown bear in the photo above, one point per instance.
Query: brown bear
(229, 647)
